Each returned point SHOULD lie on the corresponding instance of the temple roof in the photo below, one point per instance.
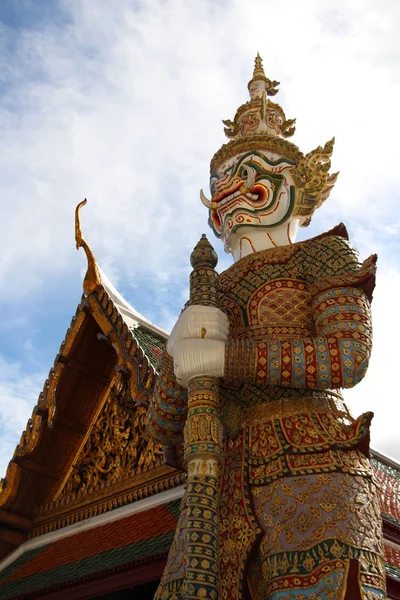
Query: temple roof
(99, 385)
(131, 316)
(85, 492)
(387, 476)
(141, 534)
(150, 337)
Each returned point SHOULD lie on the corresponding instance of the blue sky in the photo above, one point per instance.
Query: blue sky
(122, 103)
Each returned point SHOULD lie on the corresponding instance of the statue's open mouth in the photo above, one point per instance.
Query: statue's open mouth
(234, 198)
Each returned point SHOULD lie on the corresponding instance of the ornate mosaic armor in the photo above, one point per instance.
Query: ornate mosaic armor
(291, 510)
(298, 504)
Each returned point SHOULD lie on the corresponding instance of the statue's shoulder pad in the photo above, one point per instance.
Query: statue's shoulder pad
(330, 242)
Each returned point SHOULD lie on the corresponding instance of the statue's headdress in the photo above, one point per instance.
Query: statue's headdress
(260, 124)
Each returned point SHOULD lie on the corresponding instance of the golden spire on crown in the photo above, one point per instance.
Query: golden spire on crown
(259, 116)
(259, 75)
(258, 66)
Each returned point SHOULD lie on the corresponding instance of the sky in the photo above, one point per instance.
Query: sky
(122, 102)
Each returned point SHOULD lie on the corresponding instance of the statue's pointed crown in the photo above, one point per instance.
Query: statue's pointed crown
(261, 125)
(259, 116)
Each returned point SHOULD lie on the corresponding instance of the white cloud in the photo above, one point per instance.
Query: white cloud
(124, 105)
(18, 395)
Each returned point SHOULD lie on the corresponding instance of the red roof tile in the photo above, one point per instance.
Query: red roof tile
(129, 530)
(389, 493)
(392, 554)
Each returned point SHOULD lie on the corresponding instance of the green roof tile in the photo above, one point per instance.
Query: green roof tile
(93, 564)
(393, 571)
(174, 507)
(151, 344)
(19, 562)
(386, 468)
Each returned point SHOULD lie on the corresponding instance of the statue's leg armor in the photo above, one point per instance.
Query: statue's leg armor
(322, 539)
(239, 530)
(174, 573)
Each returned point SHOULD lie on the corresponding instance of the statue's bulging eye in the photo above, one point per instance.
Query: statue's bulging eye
(244, 171)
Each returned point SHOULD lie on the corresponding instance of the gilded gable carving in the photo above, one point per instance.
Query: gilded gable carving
(116, 448)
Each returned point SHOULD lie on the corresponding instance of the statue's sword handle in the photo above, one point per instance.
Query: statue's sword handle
(203, 448)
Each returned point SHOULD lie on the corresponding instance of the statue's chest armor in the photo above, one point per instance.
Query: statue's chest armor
(268, 301)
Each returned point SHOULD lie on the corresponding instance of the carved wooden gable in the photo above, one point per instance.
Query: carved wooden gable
(84, 451)
(115, 450)
(116, 463)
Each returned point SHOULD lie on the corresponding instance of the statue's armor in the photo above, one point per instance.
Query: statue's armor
(299, 514)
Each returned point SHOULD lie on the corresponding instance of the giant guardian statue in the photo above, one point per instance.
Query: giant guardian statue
(280, 502)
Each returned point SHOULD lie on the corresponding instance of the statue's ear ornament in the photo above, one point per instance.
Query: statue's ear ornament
(288, 128)
(231, 129)
(313, 181)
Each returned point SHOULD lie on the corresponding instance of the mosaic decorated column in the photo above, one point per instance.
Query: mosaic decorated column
(203, 448)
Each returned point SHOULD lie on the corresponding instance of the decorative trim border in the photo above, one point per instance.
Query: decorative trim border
(107, 503)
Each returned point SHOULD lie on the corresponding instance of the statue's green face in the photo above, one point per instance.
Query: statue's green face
(251, 190)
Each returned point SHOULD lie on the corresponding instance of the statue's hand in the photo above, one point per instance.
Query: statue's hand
(199, 322)
(195, 357)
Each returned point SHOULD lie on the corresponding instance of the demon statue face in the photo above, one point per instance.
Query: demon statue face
(262, 185)
(252, 203)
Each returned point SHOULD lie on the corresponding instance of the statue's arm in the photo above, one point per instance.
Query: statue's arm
(168, 407)
(336, 357)
(167, 412)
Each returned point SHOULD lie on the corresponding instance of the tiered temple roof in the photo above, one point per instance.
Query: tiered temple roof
(127, 547)
(84, 451)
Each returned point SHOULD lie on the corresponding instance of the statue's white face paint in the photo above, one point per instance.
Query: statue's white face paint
(253, 202)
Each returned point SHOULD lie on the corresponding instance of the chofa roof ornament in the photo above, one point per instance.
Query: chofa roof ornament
(92, 278)
(261, 125)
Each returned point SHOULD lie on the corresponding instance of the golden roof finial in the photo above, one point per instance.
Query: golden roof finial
(92, 278)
